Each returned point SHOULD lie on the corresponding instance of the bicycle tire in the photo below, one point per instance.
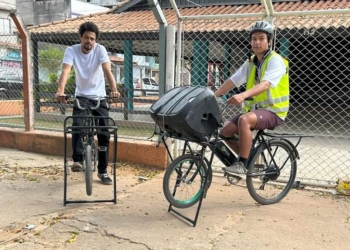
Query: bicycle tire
(94, 156)
(264, 179)
(183, 189)
(88, 169)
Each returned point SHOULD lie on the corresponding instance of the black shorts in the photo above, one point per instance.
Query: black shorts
(266, 119)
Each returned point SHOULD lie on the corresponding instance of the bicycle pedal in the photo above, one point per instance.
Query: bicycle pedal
(102, 148)
(234, 176)
(233, 179)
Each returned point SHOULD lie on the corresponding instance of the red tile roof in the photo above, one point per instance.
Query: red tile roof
(144, 20)
(11, 45)
(116, 59)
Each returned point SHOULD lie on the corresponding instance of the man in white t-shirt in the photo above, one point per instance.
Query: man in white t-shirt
(267, 83)
(91, 65)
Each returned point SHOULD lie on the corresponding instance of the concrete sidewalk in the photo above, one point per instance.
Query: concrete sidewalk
(31, 193)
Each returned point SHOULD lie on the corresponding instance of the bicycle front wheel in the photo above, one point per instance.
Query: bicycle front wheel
(271, 172)
(184, 181)
(88, 169)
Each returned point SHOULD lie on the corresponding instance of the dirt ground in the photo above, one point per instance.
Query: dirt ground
(33, 216)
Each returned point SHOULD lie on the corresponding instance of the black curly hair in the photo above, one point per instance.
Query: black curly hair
(89, 26)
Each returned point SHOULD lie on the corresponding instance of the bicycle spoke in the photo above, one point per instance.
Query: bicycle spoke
(271, 172)
(183, 181)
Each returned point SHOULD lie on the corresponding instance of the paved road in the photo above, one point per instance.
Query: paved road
(31, 194)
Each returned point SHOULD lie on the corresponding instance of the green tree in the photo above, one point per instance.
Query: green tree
(53, 78)
(70, 87)
(51, 58)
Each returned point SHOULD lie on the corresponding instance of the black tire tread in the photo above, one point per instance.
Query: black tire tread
(249, 181)
(167, 175)
(88, 169)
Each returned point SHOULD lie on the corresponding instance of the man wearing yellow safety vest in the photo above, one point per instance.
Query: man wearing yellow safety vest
(267, 83)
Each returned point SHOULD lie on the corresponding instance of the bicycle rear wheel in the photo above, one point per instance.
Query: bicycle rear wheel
(89, 168)
(271, 172)
(183, 182)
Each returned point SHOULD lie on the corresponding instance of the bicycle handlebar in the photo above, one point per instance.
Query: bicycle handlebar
(226, 104)
(93, 97)
(90, 107)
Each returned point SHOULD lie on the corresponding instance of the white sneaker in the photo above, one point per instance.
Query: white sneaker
(236, 168)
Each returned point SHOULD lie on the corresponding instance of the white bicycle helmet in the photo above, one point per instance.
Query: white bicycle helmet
(262, 26)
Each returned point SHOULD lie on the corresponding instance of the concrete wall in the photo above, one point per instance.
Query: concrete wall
(37, 12)
(52, 143)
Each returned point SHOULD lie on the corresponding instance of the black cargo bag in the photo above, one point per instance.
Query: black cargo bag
(188, 112)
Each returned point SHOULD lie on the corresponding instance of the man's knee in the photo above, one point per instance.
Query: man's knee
(248, 119)
(224, 133)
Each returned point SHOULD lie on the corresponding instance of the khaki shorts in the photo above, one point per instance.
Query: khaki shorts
(266, 119)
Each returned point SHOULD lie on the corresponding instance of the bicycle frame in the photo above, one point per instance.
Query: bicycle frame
(258, 141)
(87, 131)
(267, 148)
(87, 135)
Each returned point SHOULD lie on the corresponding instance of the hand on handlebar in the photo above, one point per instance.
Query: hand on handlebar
(114, 95)
(61, 97)
(235, 99)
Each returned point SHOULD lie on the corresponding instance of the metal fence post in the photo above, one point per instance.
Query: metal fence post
(27, 70)
(128, 83)
(200, 63)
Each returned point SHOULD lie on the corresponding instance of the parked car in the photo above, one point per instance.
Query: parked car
(11, 84)
(3, 94)
(148, 86)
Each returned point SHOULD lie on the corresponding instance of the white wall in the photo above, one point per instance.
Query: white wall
(79, 8)
(6, 24)
(38, 12)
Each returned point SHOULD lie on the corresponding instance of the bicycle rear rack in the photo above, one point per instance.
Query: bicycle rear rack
(69, 130)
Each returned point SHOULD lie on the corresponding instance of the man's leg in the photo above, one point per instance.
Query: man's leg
(77, 144)
(230, 129)
(246, 122)
(103, 142)
(258, 120)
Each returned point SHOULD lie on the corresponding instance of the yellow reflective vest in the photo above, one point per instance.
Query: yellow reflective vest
(274, 99)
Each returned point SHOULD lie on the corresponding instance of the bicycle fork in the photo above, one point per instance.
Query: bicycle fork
(186, 178)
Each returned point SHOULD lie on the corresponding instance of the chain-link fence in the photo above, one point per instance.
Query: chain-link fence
(317, 48)
(135, 67)
(11, 80)
(211, 50)
(131, 110)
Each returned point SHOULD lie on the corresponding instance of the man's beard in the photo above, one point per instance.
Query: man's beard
(88, 47)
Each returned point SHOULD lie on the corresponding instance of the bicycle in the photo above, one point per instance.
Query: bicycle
(88, 130)
(272, 169)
